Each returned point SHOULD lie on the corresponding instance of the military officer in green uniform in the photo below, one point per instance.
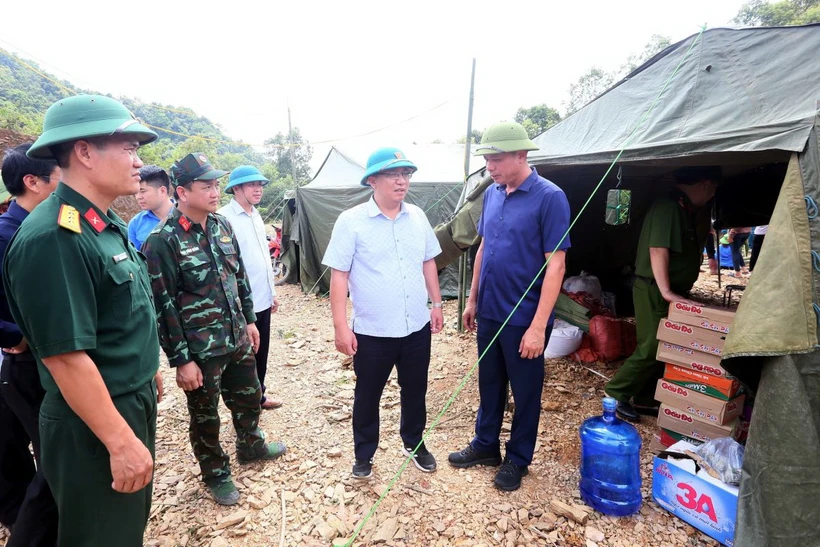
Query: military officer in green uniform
(670, 251)
(206, 323)
(80, 294)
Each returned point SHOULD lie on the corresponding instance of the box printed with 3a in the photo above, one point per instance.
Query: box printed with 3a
(703, 501)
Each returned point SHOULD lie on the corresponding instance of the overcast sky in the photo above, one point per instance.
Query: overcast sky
(346, 68)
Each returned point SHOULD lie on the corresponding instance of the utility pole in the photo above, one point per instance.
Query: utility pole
(462, 260)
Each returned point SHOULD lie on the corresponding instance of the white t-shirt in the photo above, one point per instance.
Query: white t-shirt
(253, 247)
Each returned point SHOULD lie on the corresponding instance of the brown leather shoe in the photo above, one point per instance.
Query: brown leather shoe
(270, 404)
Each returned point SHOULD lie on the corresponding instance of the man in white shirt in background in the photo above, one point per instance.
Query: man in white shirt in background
(246, 184)
(757, 244)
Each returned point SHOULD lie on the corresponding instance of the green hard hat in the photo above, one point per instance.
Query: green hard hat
(504, 137)
(85, 116)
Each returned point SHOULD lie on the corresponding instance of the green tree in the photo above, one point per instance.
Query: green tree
(279, 151)
(656, 44)
(475, 137)
(587, 88)
(786, 12)
(537, 119)
(592, 84)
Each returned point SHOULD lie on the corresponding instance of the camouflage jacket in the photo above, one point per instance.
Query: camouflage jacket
(201, 290)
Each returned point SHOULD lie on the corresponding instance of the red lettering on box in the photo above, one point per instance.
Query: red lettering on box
(680, 328)
(688, 308)
(700, 504)
(678, 415)
(674, 388)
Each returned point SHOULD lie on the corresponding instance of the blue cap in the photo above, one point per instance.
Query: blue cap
(384, 159)
(243, 174)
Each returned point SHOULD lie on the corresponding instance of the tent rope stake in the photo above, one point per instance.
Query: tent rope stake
(470, 373)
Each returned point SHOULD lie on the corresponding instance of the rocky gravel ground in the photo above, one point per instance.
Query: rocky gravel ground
(307, 497)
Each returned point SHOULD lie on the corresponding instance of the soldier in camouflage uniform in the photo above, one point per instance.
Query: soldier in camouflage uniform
(206, 323)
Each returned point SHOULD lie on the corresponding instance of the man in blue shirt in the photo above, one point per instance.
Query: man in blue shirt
(154, 198)
(25, 498)
(524, 223)
(383, 251)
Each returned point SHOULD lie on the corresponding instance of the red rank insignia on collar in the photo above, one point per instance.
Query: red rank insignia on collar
(94, 219)
(185, 223)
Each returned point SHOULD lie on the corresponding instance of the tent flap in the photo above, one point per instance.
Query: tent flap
(776, 315)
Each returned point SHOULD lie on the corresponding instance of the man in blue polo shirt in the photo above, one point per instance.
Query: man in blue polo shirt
(524, 223)
(154, 198)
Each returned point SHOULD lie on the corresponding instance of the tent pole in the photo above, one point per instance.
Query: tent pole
(462, 260)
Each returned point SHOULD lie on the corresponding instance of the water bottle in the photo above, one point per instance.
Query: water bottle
(610, 463)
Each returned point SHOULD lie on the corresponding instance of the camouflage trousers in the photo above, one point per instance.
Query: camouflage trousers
(234, 377)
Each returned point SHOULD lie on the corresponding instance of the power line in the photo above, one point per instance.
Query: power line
(217, 140)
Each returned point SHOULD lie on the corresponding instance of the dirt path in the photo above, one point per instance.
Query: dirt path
(448, 507)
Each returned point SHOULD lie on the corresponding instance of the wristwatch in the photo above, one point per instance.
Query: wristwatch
(436, 304)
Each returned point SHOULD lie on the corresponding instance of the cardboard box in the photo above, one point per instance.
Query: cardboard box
(707, 341)
(722, 387)
(655, 446)
(689, 358)
(668, 438)
(691, 425)
(717, 319)
(707, 408)
(693, 496)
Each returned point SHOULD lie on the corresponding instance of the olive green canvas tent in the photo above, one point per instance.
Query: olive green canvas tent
(745, 100)
(435, 187)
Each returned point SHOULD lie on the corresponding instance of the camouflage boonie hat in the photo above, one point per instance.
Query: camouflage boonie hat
(194, 167)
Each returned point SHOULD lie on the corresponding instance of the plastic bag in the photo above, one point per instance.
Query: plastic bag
(725, 456)
(565, 339)
(583, 283)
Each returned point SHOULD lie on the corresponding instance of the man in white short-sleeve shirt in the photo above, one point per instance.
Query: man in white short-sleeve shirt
(246, 184)
(383, 252)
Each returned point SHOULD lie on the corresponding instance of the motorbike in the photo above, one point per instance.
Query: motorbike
(280, 271)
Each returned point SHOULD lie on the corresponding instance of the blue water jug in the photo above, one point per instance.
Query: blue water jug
(610, 463)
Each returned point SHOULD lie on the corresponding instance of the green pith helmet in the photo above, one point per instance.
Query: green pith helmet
(83, 117)
(504, 137)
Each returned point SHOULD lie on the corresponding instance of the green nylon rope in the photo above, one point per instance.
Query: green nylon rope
(458, 389)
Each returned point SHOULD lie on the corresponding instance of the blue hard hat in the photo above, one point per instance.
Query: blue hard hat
(243, 174)
(384, 159)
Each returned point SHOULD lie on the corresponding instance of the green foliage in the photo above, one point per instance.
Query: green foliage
(25, 96)
(587, 88)
(279, 151)
(537, 119)
(656, 44)
(475, 137)
(787, 12)
(592, 84)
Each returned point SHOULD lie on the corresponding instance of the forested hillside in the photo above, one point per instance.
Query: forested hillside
(26, 92)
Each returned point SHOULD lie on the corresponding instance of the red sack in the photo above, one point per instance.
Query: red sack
(585, 353)
(612, 338)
